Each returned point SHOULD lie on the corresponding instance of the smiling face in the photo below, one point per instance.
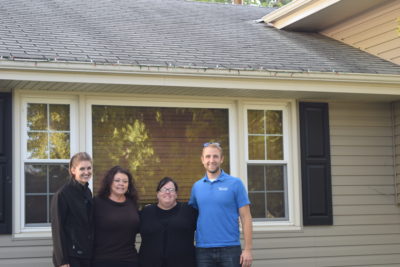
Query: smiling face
(82, 171)
(167, 196)
(119, 185)
(212, 159)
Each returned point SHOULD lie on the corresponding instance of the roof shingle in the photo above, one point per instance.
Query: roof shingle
(174, 33)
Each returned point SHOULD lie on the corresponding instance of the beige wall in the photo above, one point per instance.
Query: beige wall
(375, 32)
(366, 230)
(396, 121)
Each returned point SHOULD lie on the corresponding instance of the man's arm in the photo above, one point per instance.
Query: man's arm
(247, 226)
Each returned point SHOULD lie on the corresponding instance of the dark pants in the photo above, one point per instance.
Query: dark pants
(76, 262)
(106, 263)
(218, 257)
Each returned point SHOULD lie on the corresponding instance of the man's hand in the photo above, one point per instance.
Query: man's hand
(246, 259)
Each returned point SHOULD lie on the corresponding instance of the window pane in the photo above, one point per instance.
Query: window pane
(275, 178)
(154, 142)
(58, 175)
(255, 176)
(35, 178)
(255, 121)
(41, 181)
(59, 146)
(257, 207)
(36, 209)
(59, 117)
(270, 182)
(37, 117)
(274, 147)
(275, 205)
(274, 122)
(39, 131)
(256, 148)
(37, 145)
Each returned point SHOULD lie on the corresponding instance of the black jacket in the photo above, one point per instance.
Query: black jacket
(72, 223)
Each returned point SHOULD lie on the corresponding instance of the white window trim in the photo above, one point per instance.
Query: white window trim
(20, 230)
(81, 140)
(291, 159)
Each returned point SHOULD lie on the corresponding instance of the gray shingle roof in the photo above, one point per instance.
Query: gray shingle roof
(173, 33)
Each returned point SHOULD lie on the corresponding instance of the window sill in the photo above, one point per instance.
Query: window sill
(276, 227)
(28, 234)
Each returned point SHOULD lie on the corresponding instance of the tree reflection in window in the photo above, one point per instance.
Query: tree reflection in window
(48, 131)
(46, 161)
(153, 142)
(266, 174)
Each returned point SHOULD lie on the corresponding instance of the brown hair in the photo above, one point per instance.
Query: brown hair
(105, 187)
(214, 145)
(78, 157)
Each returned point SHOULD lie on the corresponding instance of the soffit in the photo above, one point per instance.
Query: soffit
(175, 91)
(317, 15)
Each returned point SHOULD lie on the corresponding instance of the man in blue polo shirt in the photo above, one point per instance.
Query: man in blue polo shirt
(221, 200)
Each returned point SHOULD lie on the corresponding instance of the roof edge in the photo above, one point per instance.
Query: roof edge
(16, 70)
(295, 11)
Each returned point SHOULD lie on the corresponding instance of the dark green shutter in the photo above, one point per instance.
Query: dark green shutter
(315, 164)
(5, 163)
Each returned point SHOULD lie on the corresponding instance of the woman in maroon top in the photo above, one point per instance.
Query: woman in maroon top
(116, 220)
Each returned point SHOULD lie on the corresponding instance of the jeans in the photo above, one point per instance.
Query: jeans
(77, 262)
(114, 263)
(218, 257)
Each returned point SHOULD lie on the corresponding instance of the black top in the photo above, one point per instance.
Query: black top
(116, 226)
(167, 236)
(71, 222)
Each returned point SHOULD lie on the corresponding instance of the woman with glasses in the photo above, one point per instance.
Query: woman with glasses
(116, 220)
(167, 230)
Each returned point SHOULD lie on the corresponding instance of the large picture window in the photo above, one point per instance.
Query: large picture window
(267, 164)
(47, 149)
(153, 142)
(154, 138)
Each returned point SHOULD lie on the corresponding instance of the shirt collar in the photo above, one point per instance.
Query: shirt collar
(79, 185)
(221, 177)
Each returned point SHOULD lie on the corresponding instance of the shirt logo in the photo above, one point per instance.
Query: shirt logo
(223, 188)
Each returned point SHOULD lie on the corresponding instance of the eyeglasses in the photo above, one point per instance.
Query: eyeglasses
(211, 143)
(167, 190)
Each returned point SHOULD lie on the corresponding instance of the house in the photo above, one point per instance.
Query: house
(305, 101)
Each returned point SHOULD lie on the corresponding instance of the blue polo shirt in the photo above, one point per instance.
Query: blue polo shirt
(218, 203)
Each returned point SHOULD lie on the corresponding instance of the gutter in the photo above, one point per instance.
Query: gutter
(273, 74)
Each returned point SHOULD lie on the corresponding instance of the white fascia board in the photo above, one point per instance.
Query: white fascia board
(296, 11)
(285, 80)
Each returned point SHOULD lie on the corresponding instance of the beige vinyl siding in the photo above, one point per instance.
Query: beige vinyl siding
(366, 230)
(375, 32)
(28, 252)
(396, 121)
